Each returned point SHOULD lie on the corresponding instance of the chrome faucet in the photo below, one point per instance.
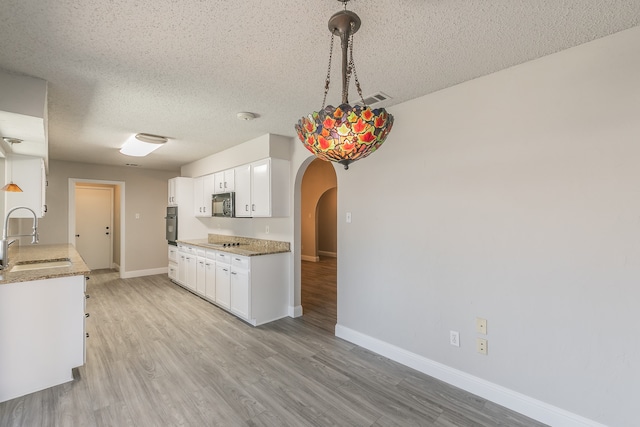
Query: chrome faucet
(4, 243)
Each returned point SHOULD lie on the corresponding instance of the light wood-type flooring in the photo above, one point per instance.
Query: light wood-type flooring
(318, 293)
(160, 356)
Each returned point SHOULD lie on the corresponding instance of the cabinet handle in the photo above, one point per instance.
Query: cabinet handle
(246, 208)
(45, 208)
(238, 259)
(225, 269)
(253, 207)
(86, 315)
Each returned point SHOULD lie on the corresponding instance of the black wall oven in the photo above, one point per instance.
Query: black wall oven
(171, 227)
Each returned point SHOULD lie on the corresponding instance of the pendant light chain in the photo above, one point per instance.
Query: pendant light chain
(352, 68)
(328, 80)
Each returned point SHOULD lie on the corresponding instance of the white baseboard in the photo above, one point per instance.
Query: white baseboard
(309, 258)
(513, 400)
(295, 311)
(140, 273)
(329, 254)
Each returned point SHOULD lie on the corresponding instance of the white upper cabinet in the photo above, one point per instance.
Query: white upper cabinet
(179, 186)
(203, 188)
(224, 181)
(262, 189)
(29, 174)
(243, 191)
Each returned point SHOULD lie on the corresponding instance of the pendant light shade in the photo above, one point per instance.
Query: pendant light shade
(11, 187)
(345, 133)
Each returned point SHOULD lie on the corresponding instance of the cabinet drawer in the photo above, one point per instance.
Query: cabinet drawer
(240, 262)
(210, 255)
(199, 252)
(223, 257)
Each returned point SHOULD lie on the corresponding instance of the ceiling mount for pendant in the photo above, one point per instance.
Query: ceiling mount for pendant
(345, 133)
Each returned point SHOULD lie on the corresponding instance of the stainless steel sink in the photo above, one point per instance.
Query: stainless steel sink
(41, 265)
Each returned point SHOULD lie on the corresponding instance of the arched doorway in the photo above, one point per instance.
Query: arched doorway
(318, 219)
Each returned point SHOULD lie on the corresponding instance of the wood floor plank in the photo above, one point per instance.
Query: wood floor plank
(160, 356)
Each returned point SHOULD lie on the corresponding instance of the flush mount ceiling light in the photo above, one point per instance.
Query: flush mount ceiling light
(142, 144)
(345, 133)
(11, 187)
(246, 116)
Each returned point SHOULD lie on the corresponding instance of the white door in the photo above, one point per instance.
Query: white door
(94, 210)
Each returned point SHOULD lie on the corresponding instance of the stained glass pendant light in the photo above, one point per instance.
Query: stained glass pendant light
(348, 132)
(11, 187)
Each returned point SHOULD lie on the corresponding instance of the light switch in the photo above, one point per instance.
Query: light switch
(348, 217)
(137, 216)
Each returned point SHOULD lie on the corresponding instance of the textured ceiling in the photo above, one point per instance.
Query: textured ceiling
(184, 68)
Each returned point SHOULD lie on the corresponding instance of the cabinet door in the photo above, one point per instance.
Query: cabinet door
(210, 279)
(182, 268)
(229, 180)
(223, 285)
(28, 173)
(208, 188)
(171, 192)
(173, 253)
(243, 190)
(198, 191)
(240, 292)
(261, 189)
(191, 273)
(200, 276)
(173, 271)
(218, 179)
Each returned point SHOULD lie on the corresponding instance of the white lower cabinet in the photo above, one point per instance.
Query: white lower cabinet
(240, 298)
(181, 276)
(210, 276)
(200, 271)
(42, 333)
(173, 262)
(254, 288)
(223, 284)
(191, 271)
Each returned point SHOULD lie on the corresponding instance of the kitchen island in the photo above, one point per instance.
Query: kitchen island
(42, 315)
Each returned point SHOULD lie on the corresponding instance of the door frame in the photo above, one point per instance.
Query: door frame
(109, 189)
(72, 213)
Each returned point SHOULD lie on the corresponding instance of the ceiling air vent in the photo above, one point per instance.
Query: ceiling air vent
(375, 99)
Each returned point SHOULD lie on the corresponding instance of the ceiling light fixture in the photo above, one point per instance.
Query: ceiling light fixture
(11, 187)
(142, 144)
(346, 133)
(246, 116)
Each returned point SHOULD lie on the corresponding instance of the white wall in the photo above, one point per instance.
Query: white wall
(518, 198)
(145, 194)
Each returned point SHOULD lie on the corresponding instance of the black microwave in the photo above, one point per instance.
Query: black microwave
(223, 204)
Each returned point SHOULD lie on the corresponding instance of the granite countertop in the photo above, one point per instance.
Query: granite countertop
(29, 254)
(248, 246)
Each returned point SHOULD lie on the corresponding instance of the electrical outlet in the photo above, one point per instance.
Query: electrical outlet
(481, 325)
(266, 229)
(454, 338)
(482, 346)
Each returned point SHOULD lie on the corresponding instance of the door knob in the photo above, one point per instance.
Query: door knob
(106, 232)
(77, 235)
